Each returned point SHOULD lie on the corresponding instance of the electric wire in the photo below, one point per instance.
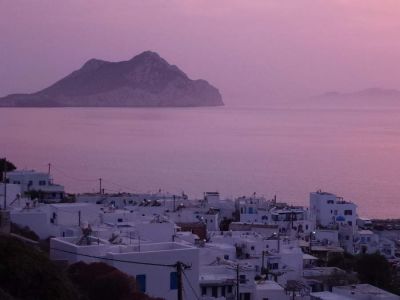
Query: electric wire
(190, 285)
(116, 260)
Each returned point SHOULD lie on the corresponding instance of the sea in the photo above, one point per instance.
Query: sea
(235, 150)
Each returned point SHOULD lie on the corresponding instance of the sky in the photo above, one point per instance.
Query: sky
(254, 51)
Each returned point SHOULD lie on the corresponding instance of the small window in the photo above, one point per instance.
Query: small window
(252, 247)
(223, 291)
(120, 220)
(141, 281)
(214, 291)
(203, 291)
(229, 289)
(330, 202)
(173, 280)
(348, 212)
(242, 278)
(226, 256)
(350, 223)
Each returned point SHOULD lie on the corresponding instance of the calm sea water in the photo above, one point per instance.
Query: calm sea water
(234, 150)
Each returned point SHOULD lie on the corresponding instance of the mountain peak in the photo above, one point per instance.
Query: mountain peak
(93, 64)
(148, 55)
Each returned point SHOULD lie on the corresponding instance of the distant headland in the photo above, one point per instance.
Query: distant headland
(146, 80)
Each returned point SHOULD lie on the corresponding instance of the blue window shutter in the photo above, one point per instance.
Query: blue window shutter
(141, 281)
(173, 280)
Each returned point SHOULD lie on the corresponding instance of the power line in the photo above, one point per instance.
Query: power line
(65, 174)
(116, 260)
(190, 285)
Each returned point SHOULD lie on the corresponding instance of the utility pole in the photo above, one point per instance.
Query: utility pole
(79, 218)
(49, 168)
(237, 282)
(262, 263)
(100, 189)
(179, 271)
(5, 183)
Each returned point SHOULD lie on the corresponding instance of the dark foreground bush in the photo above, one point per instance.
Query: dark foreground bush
(27, 273)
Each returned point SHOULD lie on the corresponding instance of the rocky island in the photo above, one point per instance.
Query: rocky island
(146, 80)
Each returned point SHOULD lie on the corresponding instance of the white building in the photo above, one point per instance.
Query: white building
(153, 264)
(13, 192)
(363, 292)
(332, 211)
(30, 180)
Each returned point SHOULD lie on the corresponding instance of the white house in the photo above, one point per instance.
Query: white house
(13, 192)
(328, 210)
(30, 180)
(363, 292)
(153, 264)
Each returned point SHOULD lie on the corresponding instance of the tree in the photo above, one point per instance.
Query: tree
(9, 167)
(99, 281)
(344, 261)
(374, 269)
(24, 231)
(26, 273)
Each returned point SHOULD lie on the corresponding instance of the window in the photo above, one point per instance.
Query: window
(245, 296)
(203, 291)
(42, 182)
(226, 256)
(330, 201)
(173, 280)
(141, 281)
(214, 291)
(120, 220)
(273, 266)
(229, 289)
(350, 223)
(252, 247)
(348, 212)
(223, 291)
(242, 278)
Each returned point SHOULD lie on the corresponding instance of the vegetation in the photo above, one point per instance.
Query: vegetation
(24, 231)
(26, 273)
(99, 281)
(371, 268)
(9, 167)
(224, 224)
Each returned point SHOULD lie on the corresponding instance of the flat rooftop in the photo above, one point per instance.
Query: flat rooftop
(363, 289)
(153, 247)
(328, 296)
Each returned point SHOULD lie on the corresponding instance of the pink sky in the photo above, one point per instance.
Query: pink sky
(253, 51)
